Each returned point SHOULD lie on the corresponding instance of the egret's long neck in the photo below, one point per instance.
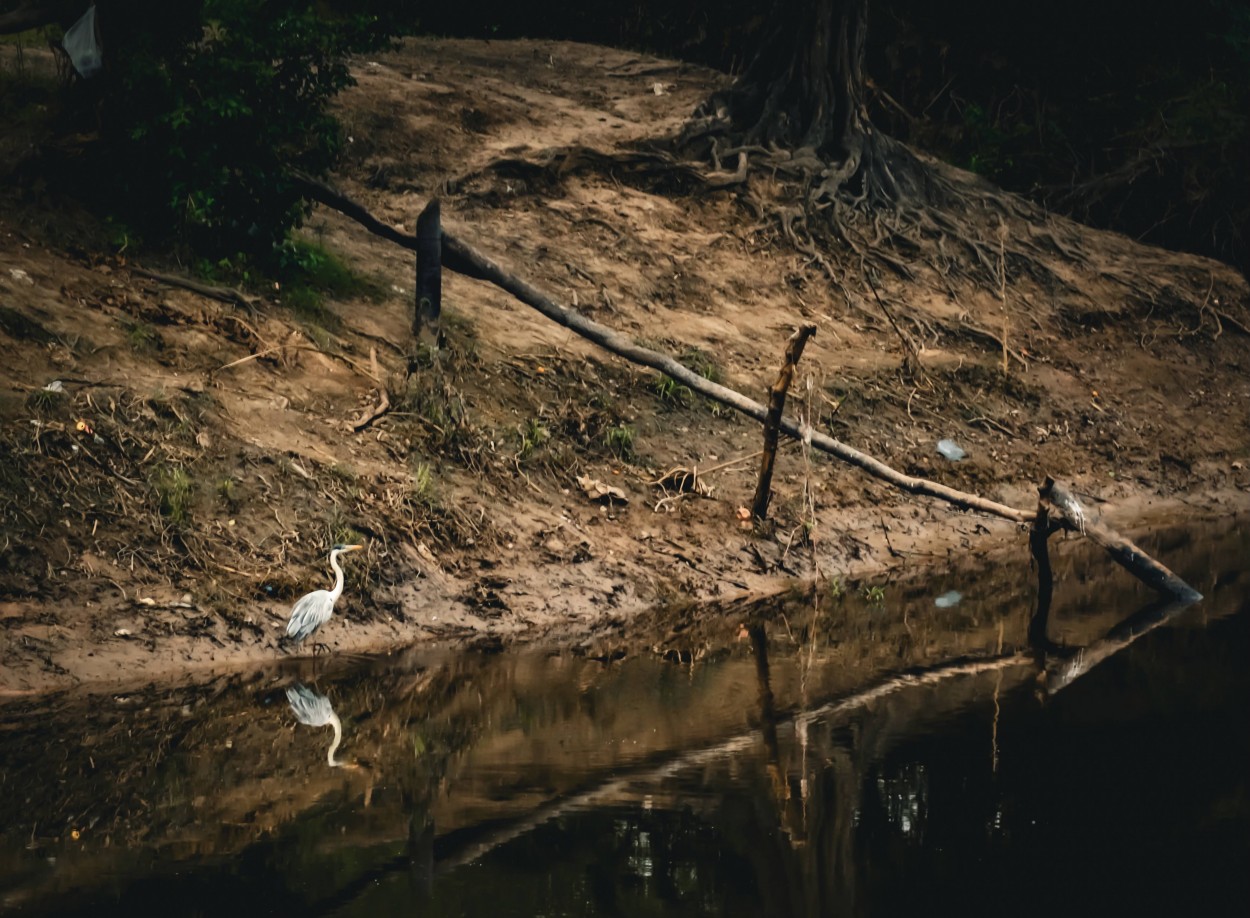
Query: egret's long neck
(338, 735)
(338, 738)
(338, 576)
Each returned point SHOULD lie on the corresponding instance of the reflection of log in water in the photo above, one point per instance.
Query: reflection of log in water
(1039, 547)
(819, 819)
(1063, 668)
(768, 713)
(467, 845)
(427, 857)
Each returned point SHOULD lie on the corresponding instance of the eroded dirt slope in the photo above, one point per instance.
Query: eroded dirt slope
(164, 507)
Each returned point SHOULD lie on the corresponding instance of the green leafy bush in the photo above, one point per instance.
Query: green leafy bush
(210, 108)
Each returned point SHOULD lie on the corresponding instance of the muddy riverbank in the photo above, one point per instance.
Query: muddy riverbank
(175, 468)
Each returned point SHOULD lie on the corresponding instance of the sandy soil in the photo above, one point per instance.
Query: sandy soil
(160, 513)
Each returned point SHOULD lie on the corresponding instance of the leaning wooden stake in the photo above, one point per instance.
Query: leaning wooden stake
(776, 406)
(425, 319)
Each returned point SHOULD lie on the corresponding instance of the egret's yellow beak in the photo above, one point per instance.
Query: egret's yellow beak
(353, 547)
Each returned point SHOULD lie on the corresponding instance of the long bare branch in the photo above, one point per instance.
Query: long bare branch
(463, 258)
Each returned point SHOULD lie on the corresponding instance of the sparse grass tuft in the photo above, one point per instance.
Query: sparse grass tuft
(302, 263)
(140, 337)
(671, 392)
(44, 401)
(173, 488)
(702, 363)
(308, 273)
(422, 489)
(620, 440)
(533, 434)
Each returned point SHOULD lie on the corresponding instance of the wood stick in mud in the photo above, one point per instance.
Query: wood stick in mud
(1066, 510)
(462, 258)
(776, 406)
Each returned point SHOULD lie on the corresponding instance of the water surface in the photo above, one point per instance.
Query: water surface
(869, 754)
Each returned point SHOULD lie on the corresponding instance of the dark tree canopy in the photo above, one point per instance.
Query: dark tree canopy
(206, 109)
(1130, 115)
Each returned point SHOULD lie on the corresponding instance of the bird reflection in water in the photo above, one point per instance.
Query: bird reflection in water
(314, 710)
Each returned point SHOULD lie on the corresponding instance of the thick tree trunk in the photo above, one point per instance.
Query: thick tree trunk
(805, 86)
(805, 90)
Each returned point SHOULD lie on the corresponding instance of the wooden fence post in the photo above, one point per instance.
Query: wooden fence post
(429, 296)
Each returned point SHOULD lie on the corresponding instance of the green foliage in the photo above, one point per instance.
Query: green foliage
(173, 489)
(422, 489)
(620, 440)
(533, 434)
(837, 589)
(1134, 127)
(671, 392)
(211, 107)
(874, 595)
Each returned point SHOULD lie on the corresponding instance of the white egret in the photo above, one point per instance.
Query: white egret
(314, 610)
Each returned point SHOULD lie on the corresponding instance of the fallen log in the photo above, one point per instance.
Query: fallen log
(221, 294)
(462, 258)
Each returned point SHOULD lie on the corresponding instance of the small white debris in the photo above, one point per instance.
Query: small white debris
(55, 386)
(19, 275)
(951, 450)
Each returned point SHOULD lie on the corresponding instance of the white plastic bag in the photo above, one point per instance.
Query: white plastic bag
(81, 45)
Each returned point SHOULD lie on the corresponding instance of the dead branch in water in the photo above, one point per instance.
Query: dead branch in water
(1066, 511)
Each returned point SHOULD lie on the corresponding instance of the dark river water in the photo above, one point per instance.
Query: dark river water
(858, 751)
